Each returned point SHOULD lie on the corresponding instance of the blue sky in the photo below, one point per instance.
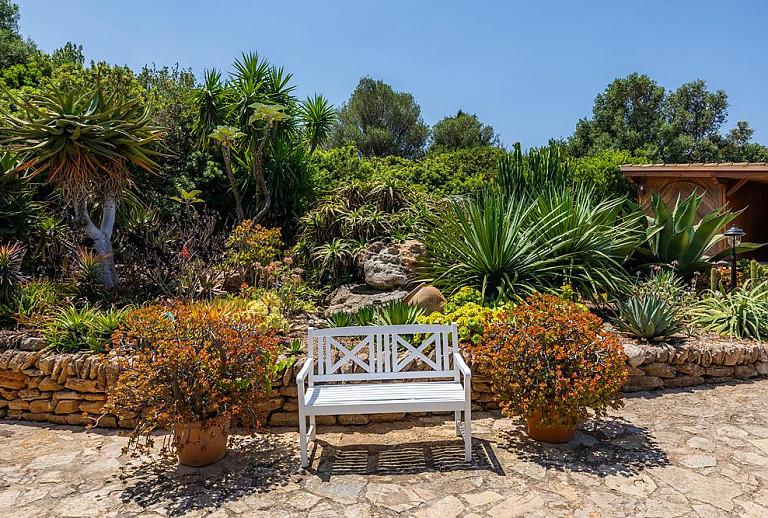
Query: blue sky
(530, 69)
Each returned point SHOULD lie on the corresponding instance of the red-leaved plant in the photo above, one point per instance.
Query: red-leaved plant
(552, 359)
(185, 363)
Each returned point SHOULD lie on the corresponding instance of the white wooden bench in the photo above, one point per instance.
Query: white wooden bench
(386, 374)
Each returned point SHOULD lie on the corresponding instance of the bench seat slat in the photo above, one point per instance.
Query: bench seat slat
(384, 397)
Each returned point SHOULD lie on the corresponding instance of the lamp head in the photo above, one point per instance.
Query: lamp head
(734, 235)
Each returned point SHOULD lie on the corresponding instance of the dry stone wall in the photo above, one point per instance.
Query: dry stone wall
(38, 385)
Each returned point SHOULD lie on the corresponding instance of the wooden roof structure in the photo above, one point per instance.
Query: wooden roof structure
(735, 185)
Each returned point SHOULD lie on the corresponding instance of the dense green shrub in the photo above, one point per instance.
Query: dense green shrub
(463, 171)
(603, 173)
(71, 328)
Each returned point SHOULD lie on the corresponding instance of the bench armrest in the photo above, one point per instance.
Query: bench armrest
(305, 371)
(461, 365)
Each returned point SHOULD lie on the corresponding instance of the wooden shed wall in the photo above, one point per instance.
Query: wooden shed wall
(753, 197)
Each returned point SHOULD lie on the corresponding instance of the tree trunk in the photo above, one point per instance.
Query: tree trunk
(101, 236)
(258, 174)
(233, 183)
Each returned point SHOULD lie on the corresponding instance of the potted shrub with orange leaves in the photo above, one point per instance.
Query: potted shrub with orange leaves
(192, 369)
(552, 364)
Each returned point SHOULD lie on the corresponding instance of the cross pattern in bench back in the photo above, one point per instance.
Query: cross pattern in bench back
(382, 352)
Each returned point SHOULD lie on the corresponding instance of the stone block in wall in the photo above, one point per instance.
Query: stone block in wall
(291, 405)
(32, 343)
(8, 394)
(762, 368)
(45, 364)
(3, 404)
(77, 420)
(8, 382)
(357, 419)
(635, 355)
(126, 423)
(49, 385)
(636, 383)
(659, 370)
(41, 406)
(31, 394)
(284, 419)
(386, 418)
(683, 381)
(63, 395)
(634, 371)
(18, 404)
(34, 383)
(83, 385)
(290, 390)
(690, 369)
(92, 407)
(743, 372)
(35, 416)
(719, 371)
(105, 421)
(13, 414)
(95, 397)
(67, 406)
(321, 420)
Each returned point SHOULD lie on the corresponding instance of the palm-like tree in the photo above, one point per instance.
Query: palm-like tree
(318, 117)
(85, 141)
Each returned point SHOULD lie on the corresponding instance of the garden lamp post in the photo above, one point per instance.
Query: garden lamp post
(733, 235)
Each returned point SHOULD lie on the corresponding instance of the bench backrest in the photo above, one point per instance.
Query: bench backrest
(383, 352)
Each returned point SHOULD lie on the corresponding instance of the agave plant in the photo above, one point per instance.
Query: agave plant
(740, 313)
(675, 239)
(650, 317)
(397, 313)
(87, 274)
(85, 141)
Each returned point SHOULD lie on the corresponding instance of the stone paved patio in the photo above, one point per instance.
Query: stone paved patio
(695, 452)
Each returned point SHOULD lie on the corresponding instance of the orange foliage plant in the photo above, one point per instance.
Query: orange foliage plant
(552, 357)
(182, 363)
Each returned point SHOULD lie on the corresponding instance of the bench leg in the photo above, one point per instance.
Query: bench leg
(303, 439)
(313, 426)
(457, 419)
(468, 432)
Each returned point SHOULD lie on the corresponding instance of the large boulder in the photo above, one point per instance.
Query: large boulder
(351, 297)
(390, 265)
(428, 298)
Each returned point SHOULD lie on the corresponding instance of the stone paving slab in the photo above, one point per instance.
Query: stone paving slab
(696, 452)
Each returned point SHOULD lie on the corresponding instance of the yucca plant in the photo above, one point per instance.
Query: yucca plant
(318, 117)
(650, 317)
(85, 142)
(675, 239)
(740, 313)
(397, 313)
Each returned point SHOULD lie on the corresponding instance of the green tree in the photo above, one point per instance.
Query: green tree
(627, 115)
(70, 53)
(462, 131)
(694, 115)
(381, 122)
(14, 49)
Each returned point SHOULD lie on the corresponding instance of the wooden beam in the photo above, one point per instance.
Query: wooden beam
(736, 187)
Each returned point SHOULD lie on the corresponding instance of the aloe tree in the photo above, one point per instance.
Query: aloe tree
(267, 117)
(318, 117)
(86, 142)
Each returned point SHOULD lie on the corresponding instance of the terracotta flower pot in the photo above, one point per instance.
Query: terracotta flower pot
(202, 442)
(555, 434)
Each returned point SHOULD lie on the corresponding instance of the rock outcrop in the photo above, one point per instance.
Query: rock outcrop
(390, 265)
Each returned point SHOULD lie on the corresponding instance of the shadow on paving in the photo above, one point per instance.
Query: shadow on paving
(610, 447)
(254, 465)
(410, 458)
